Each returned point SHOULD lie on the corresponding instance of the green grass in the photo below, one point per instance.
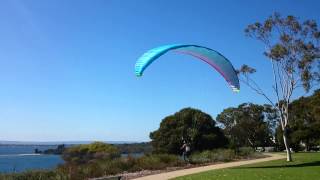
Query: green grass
(305, 166)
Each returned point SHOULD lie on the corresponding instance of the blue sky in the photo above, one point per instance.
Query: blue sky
(67, 67)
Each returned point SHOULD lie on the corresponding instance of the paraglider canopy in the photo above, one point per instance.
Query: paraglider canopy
(212, 57)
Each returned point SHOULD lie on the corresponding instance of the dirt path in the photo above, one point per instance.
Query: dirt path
(183, 172)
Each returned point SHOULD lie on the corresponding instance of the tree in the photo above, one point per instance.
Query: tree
(248, 125)
(293, 49)
(191, 125)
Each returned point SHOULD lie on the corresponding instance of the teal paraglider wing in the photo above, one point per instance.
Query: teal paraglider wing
(212, 57)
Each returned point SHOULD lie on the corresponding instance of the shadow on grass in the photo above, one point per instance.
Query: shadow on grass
(315, 163)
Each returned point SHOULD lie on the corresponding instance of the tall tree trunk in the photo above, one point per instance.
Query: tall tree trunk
(285, 141)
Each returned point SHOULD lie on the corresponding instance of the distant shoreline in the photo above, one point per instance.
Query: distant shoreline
(13, 155)
(53, 143)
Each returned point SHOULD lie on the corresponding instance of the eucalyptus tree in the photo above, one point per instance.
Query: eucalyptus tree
(293, 48)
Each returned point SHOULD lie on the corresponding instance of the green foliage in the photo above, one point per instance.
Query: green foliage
(158, 161)
(35, 175)
(114, 166)
(222, 155)
(132, 148)
(304, 125)
(119, 165)
(292, 43)
(59, 150)
(208, 156)
(246, 152)
(192, 125)
(248, 124)
(90, 152)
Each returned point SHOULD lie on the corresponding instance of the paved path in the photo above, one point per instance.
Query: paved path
(183, 172)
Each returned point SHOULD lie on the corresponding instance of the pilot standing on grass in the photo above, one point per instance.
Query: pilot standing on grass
(186, 150)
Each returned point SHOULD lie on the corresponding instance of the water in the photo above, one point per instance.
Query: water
(18, 158)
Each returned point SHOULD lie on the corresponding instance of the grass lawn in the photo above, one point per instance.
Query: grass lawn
(305, 166)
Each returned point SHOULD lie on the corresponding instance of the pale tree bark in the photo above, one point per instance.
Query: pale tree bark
(285, 141)
(284, 127)
(283, 86)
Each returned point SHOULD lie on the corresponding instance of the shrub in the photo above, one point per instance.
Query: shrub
(246, 151)
(158, 161)
(35, 175)
(119, 165)
(114, 166)
(85, 153)
(218, 155)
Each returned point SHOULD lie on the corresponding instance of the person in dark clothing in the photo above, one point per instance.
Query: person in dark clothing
(185, 151)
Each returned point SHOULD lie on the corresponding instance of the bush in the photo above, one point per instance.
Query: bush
(82, 171)
(115, 166)
(158, 161)
(219, 155)
(35, 175)
(85, 153)
(118, 165)
(246, 151)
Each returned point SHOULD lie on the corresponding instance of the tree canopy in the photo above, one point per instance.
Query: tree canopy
(304, 126)
(191, 125)
(248, 124)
